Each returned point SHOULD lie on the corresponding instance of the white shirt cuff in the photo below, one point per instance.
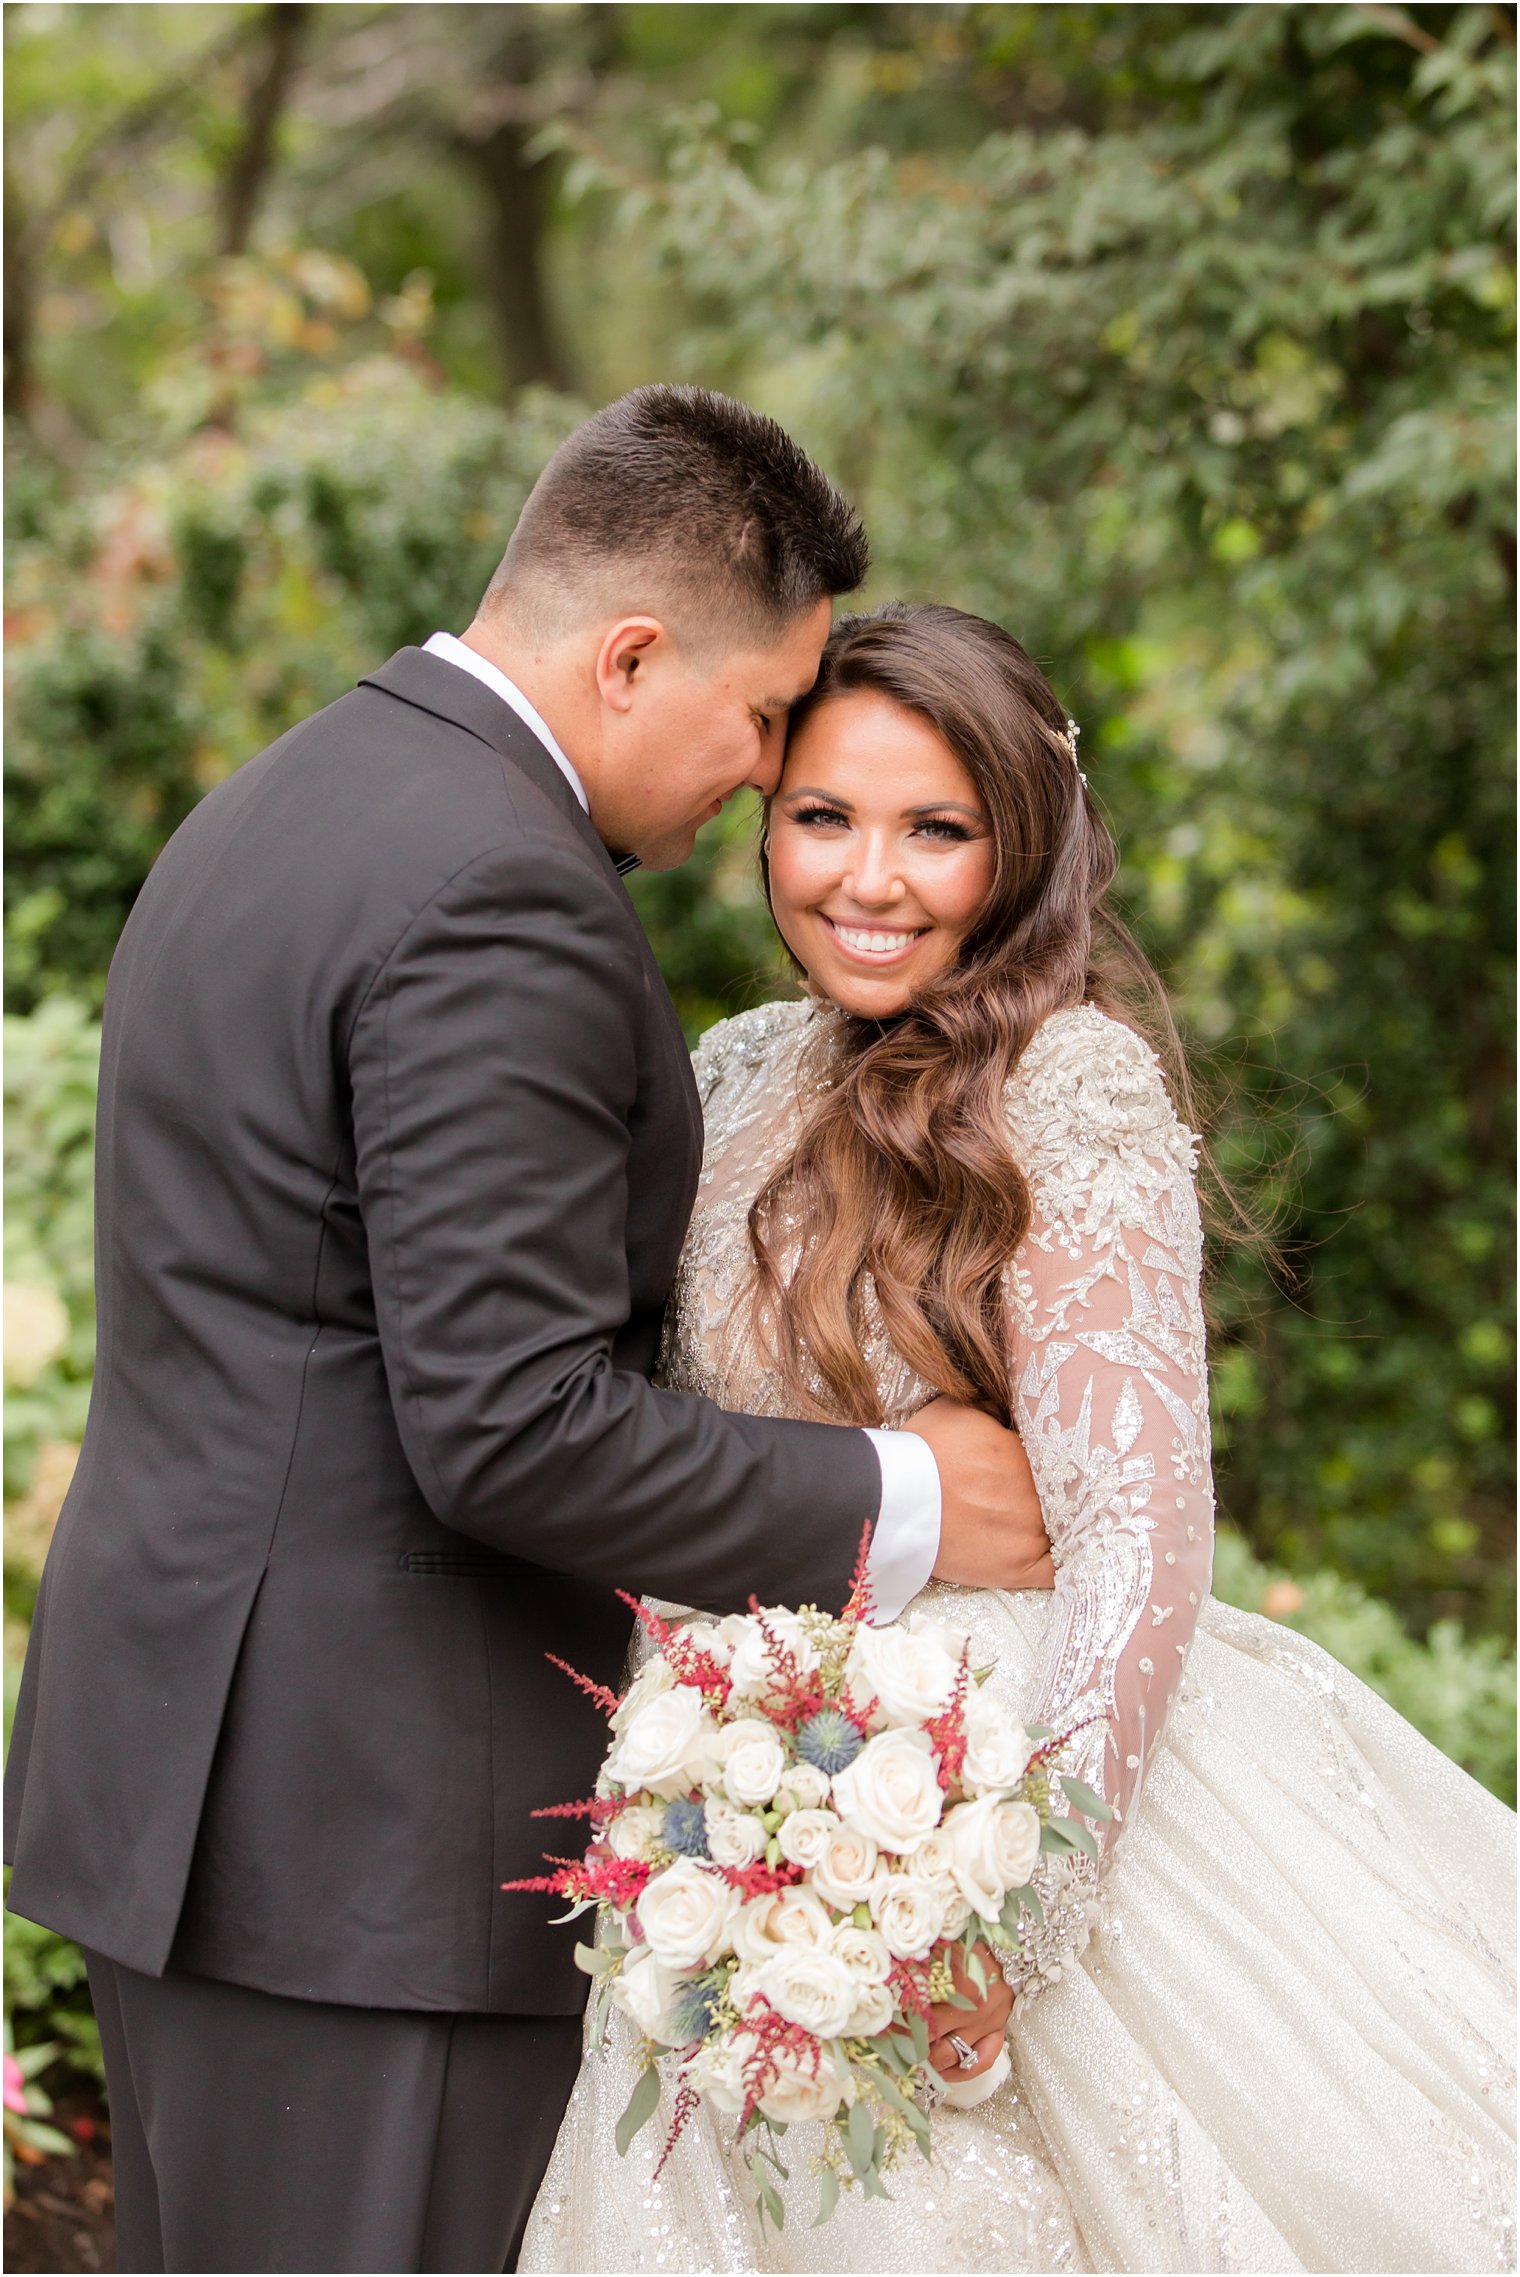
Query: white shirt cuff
(906, 1541)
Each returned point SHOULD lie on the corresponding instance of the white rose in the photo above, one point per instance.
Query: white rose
(957, 1911)
(751, 1759)
(1016, 1833)
(997, 1748)
(787, 1917)
(752, 1668)
(643, 1989)
(891, 1791)
(634, 1832)
(995, 1846)
(911, 1675)
(744, 1983)
(718, 2072)
(908, 1912)
(873, 2011)
(734, 1837)
(805, 1788)
(863, 1952)
(655, 1749)
(685, 1914)
(706, 1636)
(811, 1988)
(934, 1859)
(802, 2088)
(805, 1836)
(653, 1678)
(845, 1869)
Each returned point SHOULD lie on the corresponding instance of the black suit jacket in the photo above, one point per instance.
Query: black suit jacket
(397, 1145)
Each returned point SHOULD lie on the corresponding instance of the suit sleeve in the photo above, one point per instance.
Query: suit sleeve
(493, 1070)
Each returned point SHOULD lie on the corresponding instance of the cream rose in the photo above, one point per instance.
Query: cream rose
(804, 1836)
(891, 1791)
(997, 1747)
(908, 1912)
(873, 2012)
(706, 1636)
(957, 1911)
(635, 1831)
(643, 1989)
(787, 1917)
(846, 1868)
(718, 2072)
(812, 1988)
(801, 2090)
(1016, 1832)
(805, 1788)
(910, 1674)
(734, 1837)
(934, 1858)
(663, 1744)
(863, 1952)
(652, 1679)
(995, 1845)
(752, 1669)
(750, 1759)
(685, 1914)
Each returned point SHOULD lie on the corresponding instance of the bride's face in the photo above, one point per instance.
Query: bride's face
(881, 853)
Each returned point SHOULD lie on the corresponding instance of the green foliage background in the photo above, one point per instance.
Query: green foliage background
(1179, 339)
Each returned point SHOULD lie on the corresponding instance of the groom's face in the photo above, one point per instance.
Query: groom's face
(696, 730)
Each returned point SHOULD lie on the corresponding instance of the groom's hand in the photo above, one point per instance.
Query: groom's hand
(992, 1534)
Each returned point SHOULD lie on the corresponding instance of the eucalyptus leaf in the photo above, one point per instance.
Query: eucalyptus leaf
(828, 2197)
(640, 2108)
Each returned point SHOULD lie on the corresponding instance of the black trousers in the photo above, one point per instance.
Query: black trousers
(250, 2132)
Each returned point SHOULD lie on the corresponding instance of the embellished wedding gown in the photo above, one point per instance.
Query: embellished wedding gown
(1274, 2030)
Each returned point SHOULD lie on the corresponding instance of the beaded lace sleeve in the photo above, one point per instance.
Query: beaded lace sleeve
(1111, 1398)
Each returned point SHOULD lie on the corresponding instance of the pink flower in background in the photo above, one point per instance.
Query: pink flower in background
(15, 2087)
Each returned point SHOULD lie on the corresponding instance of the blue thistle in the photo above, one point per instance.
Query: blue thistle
(684, 1829)
(829, 1741)
(691, 2012)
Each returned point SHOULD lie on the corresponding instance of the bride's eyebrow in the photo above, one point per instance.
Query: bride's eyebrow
(806, 791)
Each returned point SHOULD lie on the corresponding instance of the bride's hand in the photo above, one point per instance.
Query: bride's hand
(992, 1533)
(982, 2028)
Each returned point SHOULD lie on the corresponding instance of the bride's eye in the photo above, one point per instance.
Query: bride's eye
(811, 814)
(947, 832)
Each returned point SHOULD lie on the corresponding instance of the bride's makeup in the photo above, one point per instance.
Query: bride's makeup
(881, 856)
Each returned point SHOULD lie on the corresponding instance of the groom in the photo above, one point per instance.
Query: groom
(397, 1146)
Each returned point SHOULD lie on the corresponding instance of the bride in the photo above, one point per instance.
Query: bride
(1272, 2030)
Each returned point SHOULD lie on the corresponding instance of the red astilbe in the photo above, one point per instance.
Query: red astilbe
(910, 1986)
(1053, 1746)
(608, 1702)
(772, 2036)
(947, 1730)
(791, 1694)
(687, 2103)
(600, 1809)
(618, 1882)
(688, 1663)
(860, 1604)
(759, 1881)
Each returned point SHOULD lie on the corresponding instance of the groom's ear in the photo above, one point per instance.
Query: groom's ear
(627, 650)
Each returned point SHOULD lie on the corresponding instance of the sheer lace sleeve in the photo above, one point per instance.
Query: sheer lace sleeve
(1111, 1397)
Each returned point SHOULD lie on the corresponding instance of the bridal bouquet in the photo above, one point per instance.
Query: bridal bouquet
(798, 1820)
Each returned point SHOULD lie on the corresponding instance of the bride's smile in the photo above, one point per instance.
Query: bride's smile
(880, 853)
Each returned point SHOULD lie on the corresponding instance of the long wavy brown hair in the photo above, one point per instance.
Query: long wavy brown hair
(903, 1180)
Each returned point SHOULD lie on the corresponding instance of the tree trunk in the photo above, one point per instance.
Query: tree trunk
(20, 305)
(517, 191)
(283, 29)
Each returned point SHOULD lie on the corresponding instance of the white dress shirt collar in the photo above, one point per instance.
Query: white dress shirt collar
(454, 651)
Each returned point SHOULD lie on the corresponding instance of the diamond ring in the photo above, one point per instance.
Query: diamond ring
(965, 2055)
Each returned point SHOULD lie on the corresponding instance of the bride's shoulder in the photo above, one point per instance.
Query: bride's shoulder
(1085, 1082)
(749, 1040)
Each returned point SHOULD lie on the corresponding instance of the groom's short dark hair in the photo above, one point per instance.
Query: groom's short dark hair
(686, 503)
